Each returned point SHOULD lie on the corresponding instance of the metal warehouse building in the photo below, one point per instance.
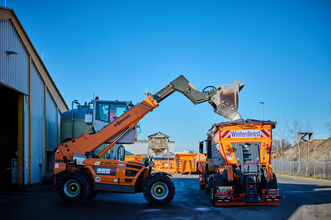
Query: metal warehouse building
(30, 110)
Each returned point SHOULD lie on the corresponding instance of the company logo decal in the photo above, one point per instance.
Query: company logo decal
(245, 133)
(105, 170)
(120, 121)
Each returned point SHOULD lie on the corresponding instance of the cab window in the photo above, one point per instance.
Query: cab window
(108, 112)
(102, 111)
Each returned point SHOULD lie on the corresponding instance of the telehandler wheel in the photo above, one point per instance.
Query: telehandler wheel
(159, 190)
(273, 183)
(92, 192)
(73, 187)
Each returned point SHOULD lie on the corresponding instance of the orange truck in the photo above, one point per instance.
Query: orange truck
(238, 169)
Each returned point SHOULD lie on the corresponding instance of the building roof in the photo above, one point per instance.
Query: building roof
(160, 134)
(6, 13)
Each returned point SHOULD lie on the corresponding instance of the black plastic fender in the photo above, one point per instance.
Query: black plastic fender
(154, 174)
(142, 182)
(159, 173)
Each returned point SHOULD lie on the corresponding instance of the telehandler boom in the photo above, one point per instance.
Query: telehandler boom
(79, 174)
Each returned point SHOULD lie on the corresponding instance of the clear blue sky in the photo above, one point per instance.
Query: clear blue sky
(281, 50)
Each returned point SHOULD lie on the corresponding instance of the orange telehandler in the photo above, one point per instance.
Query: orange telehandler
(79, 174)
(238, 169)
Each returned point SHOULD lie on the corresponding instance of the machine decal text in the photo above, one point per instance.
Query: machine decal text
(246, 134)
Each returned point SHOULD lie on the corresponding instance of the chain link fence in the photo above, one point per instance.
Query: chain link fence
(320, 167)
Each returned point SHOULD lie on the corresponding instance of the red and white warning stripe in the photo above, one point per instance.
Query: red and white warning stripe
(265, 133)
(226, 134)
(199, 167)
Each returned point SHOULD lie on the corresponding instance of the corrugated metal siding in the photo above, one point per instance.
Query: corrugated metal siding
(51, 123)
(26, 140)
(37, 126)
(59, 127)
(14, 68)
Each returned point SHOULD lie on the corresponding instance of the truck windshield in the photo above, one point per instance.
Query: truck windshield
(109, 111)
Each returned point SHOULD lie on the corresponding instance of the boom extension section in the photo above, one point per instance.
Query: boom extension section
(224, 99)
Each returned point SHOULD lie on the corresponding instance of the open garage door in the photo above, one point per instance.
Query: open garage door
(9, 133)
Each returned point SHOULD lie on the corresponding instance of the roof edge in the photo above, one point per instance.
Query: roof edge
(13, 16)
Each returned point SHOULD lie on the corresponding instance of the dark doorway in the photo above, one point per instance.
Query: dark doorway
(8, 134)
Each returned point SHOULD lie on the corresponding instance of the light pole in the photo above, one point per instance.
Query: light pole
(262, 103)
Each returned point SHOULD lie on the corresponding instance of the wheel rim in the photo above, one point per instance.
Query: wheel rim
(159, 190)
(71, 188)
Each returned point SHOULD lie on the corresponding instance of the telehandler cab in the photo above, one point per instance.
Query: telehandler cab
(79, 174)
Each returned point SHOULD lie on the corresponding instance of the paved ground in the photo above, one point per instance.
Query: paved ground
(304, 199)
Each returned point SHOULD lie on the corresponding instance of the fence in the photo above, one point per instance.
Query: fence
(320, 167)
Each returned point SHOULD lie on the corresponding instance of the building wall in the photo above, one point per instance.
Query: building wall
(51, 133)
(59, 128)
(14, 68)
(26, 135)
(37, 126)
(141, 146)
(42, 103)
(51, 123)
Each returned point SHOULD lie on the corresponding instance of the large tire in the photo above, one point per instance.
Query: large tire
(212, 190)
(92, 192)
(216, 180)
(159, 190)
(207, 187)
(73, 187)
(273, 183)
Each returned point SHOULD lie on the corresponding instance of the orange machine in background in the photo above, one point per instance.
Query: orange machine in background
(164, 165)
(160, 164)
(188, 163)
(179, 164)
(134, 158)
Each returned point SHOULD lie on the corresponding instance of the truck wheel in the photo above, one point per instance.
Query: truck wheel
(273, 183)
(159, 190)
(207, 187)
(216, 180)
(73, 187)
(202, 185)
(212, 193)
